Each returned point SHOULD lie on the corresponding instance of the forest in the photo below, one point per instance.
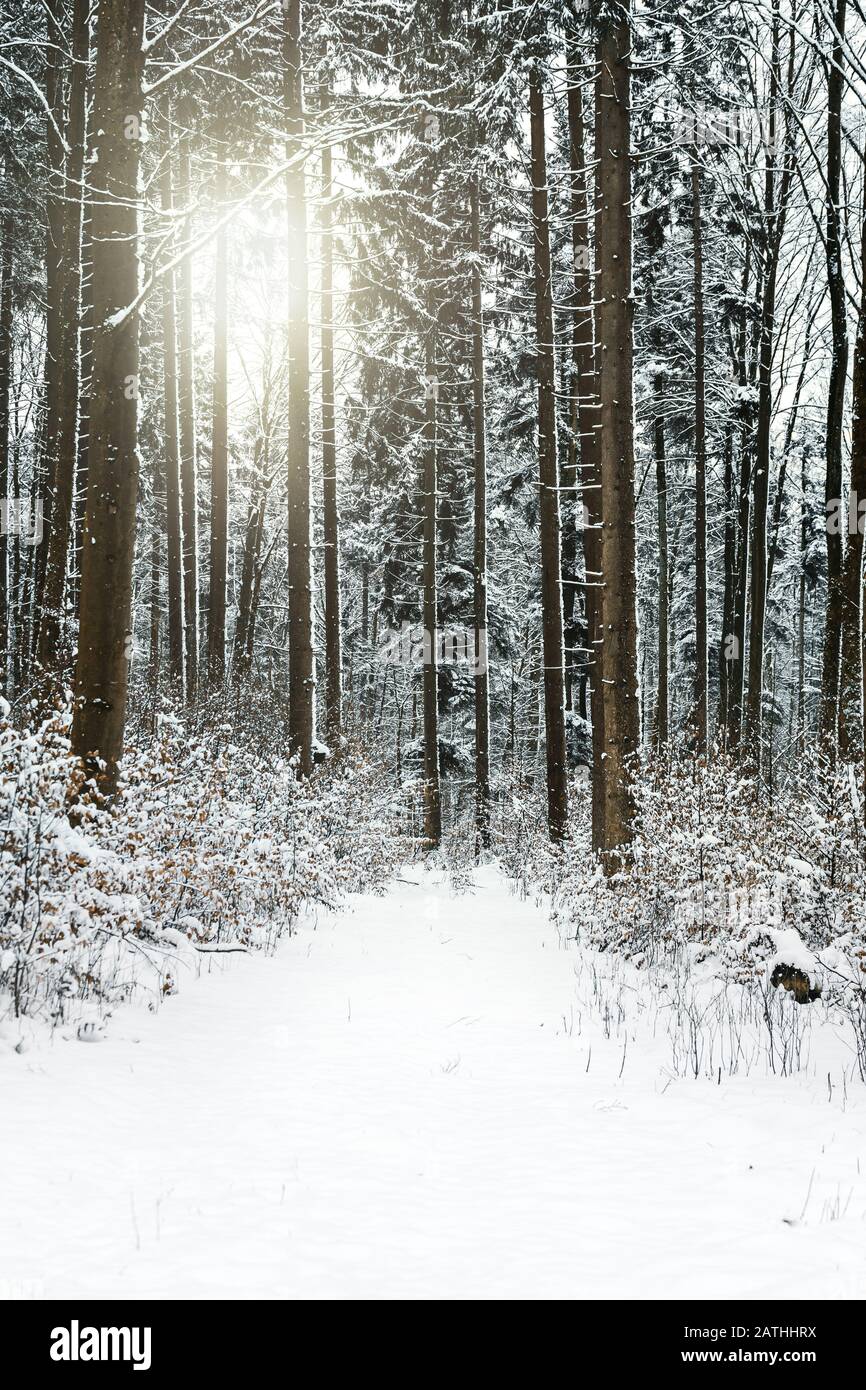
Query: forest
(433, 443)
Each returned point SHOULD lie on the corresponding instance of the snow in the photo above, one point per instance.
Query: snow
(416, 1098)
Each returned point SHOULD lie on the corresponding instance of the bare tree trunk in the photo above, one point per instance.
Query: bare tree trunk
(261, 482)
(173, 517)
(855, 662)
(700, 696)
(584, 426)
(6, 303)
(187, 422)
(51, 661)
(662, 730)
(432, 791)
(302, 693)
(851, 710)
(614, 321)
(55, 298)
(219, 487)
(729, 565)
(801, 607)
(158, 525)
(734, 638)
(837, 612)
(105, 636)
(85, 347)
(252, 548)
(551, 560)
(331, 516)
(775, 203)
(479, 435)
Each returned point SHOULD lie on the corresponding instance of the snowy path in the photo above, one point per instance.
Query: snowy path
(398, 1105)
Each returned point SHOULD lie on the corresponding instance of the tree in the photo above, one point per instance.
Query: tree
(63, 429)
(548, 474)
(331, 516)
(186, 404)
(173, 488)
(836, 613)
(302, 710)
(219, 504)
(104, 645)
(700, 698)
(479, 568)
(614, 328)
(584, 422)
(777, 187)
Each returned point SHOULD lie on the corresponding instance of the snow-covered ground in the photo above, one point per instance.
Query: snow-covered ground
(417, 1098)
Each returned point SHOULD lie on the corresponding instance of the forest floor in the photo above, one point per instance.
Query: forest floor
(414, 1098)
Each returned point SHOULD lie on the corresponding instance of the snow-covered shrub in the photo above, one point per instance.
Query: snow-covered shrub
(212, 844)
(724, 881)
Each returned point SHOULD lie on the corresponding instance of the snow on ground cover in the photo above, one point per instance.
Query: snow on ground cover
(417, 1097)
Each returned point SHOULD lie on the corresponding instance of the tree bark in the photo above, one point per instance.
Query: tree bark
(729, 551)
(700, 695)
(432, 790)
(105, 635)
(187, 421)
(775, 204)
(801, 606)
(584, 427)
(551, 559)
(55, 298)
(6, 307)
(837, 610)
(854, 662)
(331, 515)
(219, 485)
(173, 516)
(479, 575)
(734, 637)
(614, 320)
(51, 661)
(302, 713)
(662, 730)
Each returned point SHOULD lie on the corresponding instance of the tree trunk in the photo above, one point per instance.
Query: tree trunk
(55, 298)
(734, 637)
(173, 517)
(302, 695)
(219, 486)
(700, 695)
(261, 482)
(614, 321)
(50, 659)
(837, 611)
(331, 516)
(85, 372)
(729, 566)
(775, 203)
(801, 606)
(432, 793)
(105, 636)
(6, 306)
(252, 549)
(851, 709)
(584, 426)
(157, 528)
(551, 560)
(662, 730)
(479, 438)
(854, 663)
(187, 422)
